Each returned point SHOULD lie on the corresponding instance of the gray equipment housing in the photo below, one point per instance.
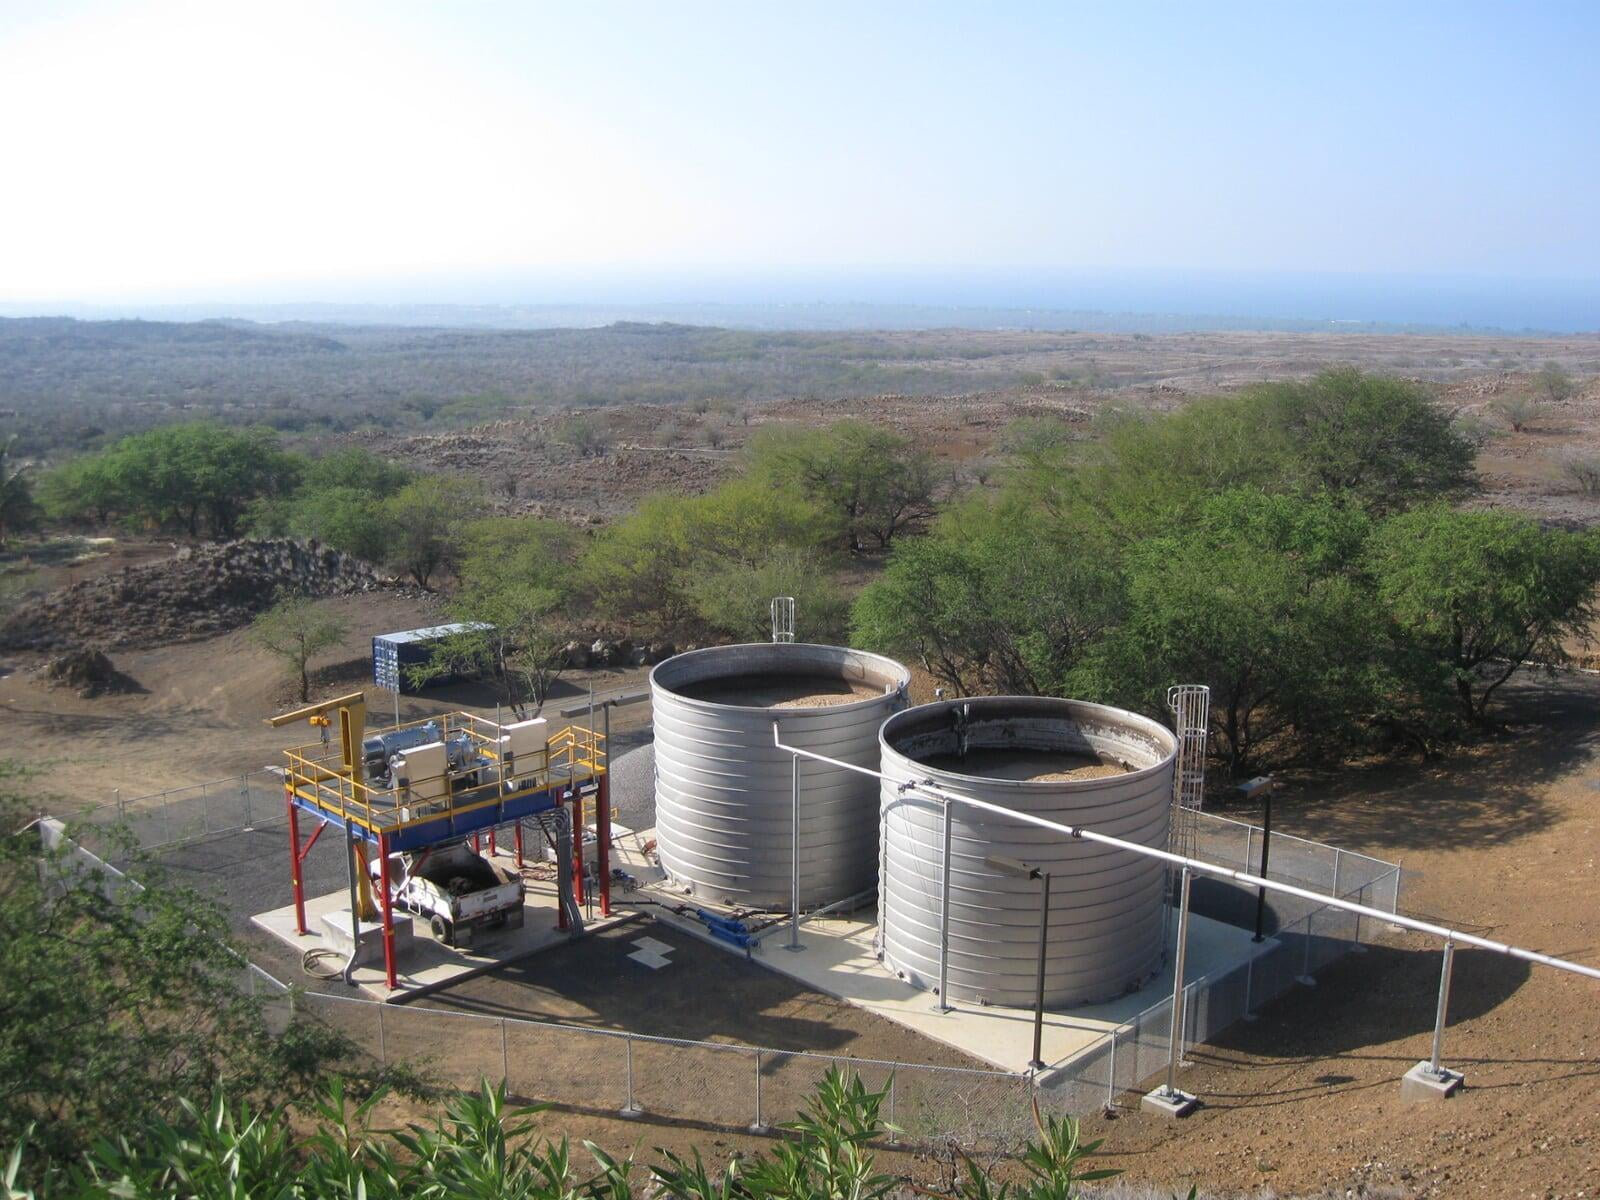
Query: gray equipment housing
(723, 790)
(1106, 934)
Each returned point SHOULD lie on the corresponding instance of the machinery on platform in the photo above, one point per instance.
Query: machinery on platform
(420, 796)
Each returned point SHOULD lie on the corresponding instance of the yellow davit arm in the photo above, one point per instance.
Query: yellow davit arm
(352, 724)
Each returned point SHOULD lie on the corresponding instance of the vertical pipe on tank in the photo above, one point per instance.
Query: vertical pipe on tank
(794, 848)
(944, 916)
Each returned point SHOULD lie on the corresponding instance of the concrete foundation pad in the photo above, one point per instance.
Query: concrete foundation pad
(1420, 1083)
(838, 957)
(429, 965)
(1169, 1104)
(369, 937)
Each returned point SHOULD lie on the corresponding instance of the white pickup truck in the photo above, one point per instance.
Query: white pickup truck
(460, 892)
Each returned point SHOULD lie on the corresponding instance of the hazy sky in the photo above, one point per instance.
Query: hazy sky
(218, 150)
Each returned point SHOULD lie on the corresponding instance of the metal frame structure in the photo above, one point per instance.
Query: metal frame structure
(783, 618)
(324, 782)
(1190, 866)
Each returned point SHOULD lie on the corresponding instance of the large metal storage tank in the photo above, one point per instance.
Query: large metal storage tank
(1109, 769)
(723, 790)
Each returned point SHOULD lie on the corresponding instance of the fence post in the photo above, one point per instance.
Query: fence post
(1356, 946)
(1111, 1073)
(505, 1057)
(205, 811)
(1249, 988)
(758, 1125)
(630, 1109)
(1338, 857)
(122, 814)
(1188, 1020)
(1249, 840)
(244, 788)
(383, 1053)
(894, 1078)
(1305, 978)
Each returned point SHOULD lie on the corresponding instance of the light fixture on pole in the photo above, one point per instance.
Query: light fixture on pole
(1018, 869)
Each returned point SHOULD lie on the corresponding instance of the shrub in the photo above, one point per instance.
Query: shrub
(1583, 471)
(585, 434)
(1518, 413)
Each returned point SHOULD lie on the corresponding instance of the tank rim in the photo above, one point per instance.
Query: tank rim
(892, 668)
(1030, 786)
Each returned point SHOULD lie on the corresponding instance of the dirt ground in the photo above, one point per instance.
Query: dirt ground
(201, 710)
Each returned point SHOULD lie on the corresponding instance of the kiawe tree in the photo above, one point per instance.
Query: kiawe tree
(1486, 592)
(425, 519)
(516, 573)
(875, 483)
(296, 630)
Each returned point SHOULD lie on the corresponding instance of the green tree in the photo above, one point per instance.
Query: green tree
(1259, 597)
(18, 511)
(1555, 384)
(425, 518)
(654, 563)
(191, 477)
(122, 1000)
(1484, 593)
(1380, 442)
(84, 490)
(1364, 440)
(296, 630)
(988, 602)
(358, 469)
(876, 483)
(341, 502)
(733, 599)
(515, 575)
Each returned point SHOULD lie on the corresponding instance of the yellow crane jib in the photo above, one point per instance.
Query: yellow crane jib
(352, 710)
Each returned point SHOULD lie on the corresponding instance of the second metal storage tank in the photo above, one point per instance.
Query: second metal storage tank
(1066, 760)
(723, 790)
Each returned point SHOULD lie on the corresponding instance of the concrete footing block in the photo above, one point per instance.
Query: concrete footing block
(1169, 1104)
(1420, 1083)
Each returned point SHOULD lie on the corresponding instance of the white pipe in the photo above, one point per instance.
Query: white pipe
(1196, 864)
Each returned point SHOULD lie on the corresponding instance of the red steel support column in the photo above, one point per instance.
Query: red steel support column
(519, 844)
(491, 843)
(577, 845)
(602, 842)
(561, 908)
(294, 862)
(477, 846)
(388, 910)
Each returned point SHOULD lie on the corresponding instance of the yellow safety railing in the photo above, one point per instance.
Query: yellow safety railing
(316, 774)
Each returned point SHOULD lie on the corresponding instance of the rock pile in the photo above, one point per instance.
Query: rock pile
(88, 672)
(603, 652)
(201, 592)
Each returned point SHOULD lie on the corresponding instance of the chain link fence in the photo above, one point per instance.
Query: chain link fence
(161, 820)
(735, 1085)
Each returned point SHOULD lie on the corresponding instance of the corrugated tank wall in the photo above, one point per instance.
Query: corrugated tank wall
(723, 790)
(1106, 911)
